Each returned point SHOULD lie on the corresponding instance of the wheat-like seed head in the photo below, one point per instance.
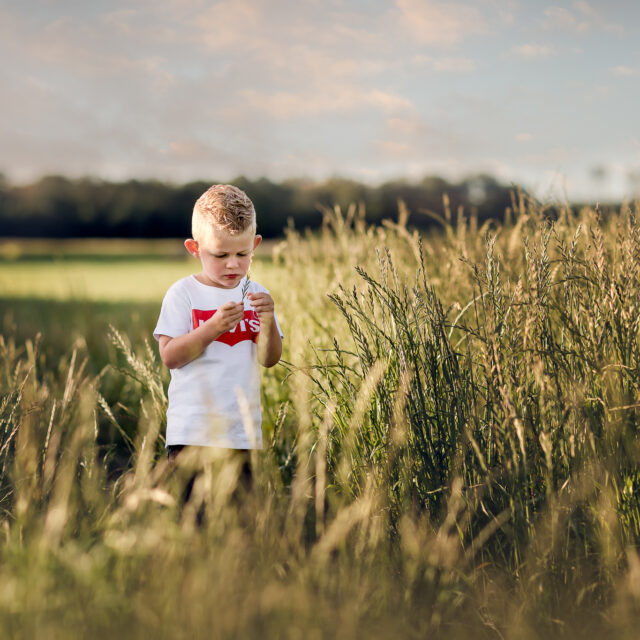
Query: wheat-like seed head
(245, 287)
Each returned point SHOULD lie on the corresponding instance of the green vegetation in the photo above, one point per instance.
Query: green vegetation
(451, 446)
(97, 270)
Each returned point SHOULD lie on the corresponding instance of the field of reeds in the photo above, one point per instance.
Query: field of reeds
(451, 442)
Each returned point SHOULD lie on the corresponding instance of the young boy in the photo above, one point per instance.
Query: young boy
(215, 327)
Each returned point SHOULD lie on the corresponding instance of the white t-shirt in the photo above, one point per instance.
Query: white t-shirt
(214, 400)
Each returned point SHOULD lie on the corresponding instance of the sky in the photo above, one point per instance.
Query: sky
(544, 94)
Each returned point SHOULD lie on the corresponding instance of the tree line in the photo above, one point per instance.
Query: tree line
(62, 207)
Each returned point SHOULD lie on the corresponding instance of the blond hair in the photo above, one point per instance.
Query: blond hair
(222, 207)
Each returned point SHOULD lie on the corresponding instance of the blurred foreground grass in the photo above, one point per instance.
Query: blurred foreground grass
(451, 446)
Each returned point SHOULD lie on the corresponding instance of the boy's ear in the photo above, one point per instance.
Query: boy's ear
(256, 241)
(192, 247)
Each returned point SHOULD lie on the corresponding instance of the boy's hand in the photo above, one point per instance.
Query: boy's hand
(262, 304)
(227, 316)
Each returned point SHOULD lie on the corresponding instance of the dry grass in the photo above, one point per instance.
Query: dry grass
(452, 452)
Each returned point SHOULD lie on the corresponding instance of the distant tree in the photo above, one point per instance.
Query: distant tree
(57, 207)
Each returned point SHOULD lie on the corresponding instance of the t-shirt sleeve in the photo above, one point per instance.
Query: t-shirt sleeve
(175, 315)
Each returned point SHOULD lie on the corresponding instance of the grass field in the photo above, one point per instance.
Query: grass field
(451, 440)
(96, 270)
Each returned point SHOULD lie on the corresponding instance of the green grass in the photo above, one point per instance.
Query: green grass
(451, 443)
(96, 270)
(113, 281)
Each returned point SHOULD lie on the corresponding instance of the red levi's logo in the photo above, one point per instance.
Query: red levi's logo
(247, 329)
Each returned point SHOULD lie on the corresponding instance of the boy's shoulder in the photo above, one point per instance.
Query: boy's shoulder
(179, 286)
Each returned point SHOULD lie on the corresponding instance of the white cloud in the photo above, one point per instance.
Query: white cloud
(412, 138)
(561, 18)
(120, 20)
(231, 23)
(194, 150)
(586, 9)
(440, 24)
(394, 148)
(454, 65)
(581, 19)
(507, 10)
(343, 98)
(534, 50)
(445, 64)
(624, 71)
(83, 52)
(408, 127)
(193, 88)
(556, 156)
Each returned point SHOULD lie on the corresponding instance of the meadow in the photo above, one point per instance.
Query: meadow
(451, 439)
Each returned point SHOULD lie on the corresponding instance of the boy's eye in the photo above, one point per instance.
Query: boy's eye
(226, 255)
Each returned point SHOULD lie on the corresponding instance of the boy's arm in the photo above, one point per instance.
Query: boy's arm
(178, 351)
(269, 340)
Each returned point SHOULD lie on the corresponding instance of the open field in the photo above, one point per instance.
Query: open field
(96, 270)
(83, 280)
(451, 442)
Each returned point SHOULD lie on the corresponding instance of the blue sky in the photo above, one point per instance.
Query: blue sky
(543, 93)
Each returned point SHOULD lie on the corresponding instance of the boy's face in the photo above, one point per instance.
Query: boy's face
(225, 258)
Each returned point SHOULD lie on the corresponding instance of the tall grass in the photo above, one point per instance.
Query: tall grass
(451, 451)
